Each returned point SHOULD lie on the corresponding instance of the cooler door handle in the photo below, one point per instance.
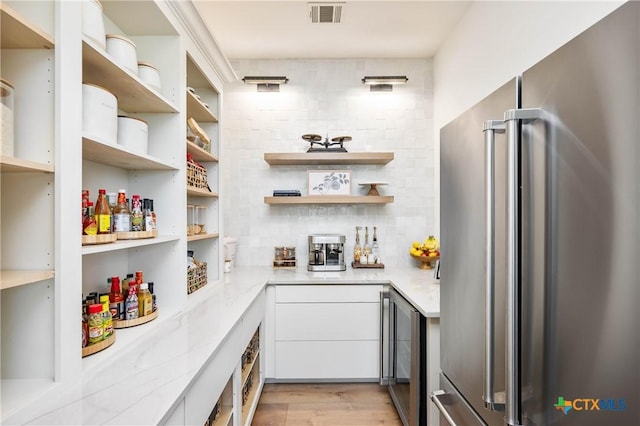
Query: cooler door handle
(384, 295)
(435, 397)
(514, 119)
(490, 128)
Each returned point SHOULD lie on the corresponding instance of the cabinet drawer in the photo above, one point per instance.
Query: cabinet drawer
(328, 293)
(327, 360)
(327, 321)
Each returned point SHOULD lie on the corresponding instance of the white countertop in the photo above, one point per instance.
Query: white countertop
(155, 372)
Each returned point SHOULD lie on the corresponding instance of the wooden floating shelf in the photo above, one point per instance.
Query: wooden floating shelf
(133, 94)
(313, 158)
(118, 156)
(200, 154)
(197, 110)
(330, 199)
(197, 192)
(18, 33)
(97, 347)
(14, 278)
(202, 236)
(134, 322)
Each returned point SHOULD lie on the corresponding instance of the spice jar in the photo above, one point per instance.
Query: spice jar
(6, 117)
(96, 324)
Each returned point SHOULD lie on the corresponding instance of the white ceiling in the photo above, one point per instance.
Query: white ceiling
(369, 29)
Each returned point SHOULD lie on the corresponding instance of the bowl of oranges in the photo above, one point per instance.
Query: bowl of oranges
(427, 252)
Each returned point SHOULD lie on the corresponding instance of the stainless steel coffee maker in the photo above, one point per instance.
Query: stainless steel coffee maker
(326, 252)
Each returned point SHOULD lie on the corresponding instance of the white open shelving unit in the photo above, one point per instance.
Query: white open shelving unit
(45, 270)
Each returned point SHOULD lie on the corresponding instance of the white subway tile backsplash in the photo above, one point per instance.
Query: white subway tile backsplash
(327, 97)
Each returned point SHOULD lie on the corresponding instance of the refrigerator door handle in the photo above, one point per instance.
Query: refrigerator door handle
(514, 118)
(435, 397)
(492, 402)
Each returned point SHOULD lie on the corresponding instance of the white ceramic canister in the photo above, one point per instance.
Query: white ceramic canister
(6, 117)
(133, 133)
(150, 75)
(93, 23)
(123, 52)
(99, 114)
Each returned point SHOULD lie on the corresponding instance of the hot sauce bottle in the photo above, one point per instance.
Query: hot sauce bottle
(103, 213)
(89, 226)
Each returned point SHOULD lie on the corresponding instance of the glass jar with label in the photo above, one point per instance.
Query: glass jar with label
(201, 220)
(191, 219)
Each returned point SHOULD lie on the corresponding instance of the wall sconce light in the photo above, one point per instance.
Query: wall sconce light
(266, 84)
(384, 83)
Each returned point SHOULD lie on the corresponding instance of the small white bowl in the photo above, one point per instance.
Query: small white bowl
(123, 52)
(150, 75)
(133, 133)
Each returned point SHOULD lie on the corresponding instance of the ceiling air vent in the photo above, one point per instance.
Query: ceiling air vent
(321, 13)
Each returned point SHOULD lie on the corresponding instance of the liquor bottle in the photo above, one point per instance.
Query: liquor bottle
(357, 249)
(148, 217)
(375, 249)
(103, 213)
(89, 226)
(137, 218)
(366, 250)
(122, 214)
(153, 215)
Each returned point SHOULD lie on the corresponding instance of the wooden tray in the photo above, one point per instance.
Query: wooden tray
(358, 265)
(136, 235)
(98, 239)
(285, 264)
(138, 321)
(92, 349)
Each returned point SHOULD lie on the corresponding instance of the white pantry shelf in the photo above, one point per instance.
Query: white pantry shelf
(14, 278)
(127, 244)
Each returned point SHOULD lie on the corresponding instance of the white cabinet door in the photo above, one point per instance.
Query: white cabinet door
(327, 321)
(326, 332)
(328, 293)
(314, 360)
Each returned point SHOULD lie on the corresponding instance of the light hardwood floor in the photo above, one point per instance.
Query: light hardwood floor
(330, 404)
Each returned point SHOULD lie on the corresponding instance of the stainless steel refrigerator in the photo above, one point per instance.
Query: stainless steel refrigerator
(540, 241)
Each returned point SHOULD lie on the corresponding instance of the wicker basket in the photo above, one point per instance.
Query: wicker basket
(196, 277)
(196, 176)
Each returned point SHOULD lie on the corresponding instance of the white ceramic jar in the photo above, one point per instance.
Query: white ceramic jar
(123, 52)
(133, 133)
(93, 23)
(150, 75)
(99, 114)
(6, 118)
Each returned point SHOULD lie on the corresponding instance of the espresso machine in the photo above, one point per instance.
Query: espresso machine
(326, 252)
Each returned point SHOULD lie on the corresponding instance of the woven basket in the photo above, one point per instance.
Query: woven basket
(196, 176)
(196, 277)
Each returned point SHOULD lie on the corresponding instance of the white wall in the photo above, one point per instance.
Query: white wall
(327, 97)
(494, 42)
